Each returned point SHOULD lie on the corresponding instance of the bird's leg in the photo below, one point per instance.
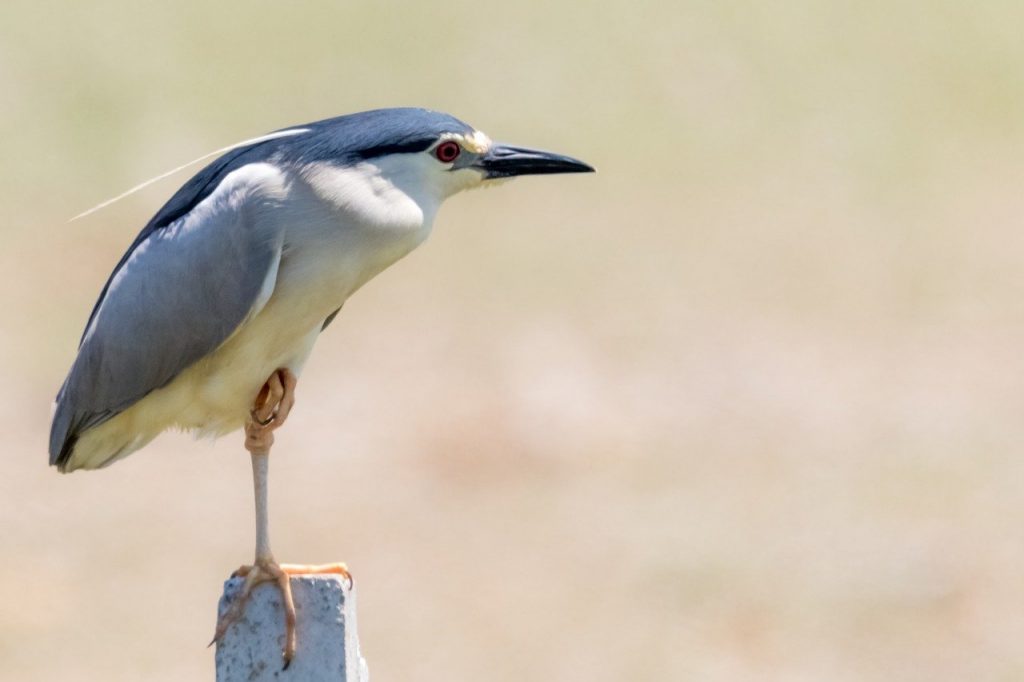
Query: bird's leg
(271, 409)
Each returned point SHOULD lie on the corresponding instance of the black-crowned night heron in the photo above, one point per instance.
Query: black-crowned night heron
(207, 320)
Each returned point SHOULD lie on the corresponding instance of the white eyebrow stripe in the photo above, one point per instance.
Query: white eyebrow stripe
(223, 150)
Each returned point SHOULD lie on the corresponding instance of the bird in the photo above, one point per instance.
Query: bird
(206, 321)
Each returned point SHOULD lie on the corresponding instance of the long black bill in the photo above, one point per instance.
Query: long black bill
(504, 161)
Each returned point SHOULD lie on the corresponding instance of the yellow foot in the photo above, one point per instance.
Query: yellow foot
(271, 571)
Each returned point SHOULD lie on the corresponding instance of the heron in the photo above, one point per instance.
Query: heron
(206, 321)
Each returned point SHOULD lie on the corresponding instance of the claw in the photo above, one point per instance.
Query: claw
(262, 422)
(261, 572)
(267, 571)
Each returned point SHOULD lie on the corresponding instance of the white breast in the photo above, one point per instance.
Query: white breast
(345, 225)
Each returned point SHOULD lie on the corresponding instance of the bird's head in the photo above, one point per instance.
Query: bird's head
(427, 155)
(465, 158)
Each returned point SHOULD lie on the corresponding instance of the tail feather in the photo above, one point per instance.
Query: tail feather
(66, 448)
(62, 436)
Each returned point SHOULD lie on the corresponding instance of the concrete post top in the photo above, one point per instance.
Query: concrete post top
(328, 644)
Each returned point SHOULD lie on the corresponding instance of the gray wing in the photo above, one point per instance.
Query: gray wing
(179, 292)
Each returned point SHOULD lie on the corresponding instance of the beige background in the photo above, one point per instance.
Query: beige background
(746, 405)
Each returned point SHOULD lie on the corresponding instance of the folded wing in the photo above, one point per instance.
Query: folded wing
(181, 290)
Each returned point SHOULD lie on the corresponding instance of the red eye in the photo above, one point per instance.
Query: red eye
(446, 152)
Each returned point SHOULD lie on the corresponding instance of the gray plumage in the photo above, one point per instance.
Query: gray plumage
(186, 292)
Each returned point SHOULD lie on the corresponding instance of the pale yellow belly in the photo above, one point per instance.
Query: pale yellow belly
(213, 396)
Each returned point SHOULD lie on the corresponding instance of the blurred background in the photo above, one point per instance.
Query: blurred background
(745, 405)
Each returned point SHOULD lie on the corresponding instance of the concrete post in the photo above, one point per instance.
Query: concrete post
(328, 645)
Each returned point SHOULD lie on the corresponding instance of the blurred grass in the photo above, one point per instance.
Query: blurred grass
(744, 405)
